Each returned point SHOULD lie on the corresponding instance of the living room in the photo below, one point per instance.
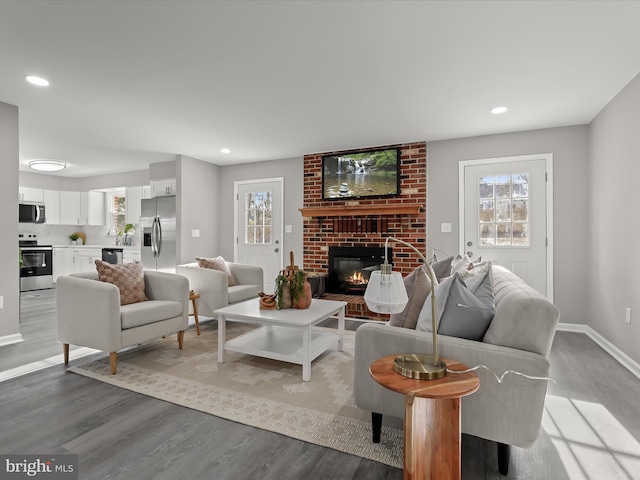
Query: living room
(593, 270)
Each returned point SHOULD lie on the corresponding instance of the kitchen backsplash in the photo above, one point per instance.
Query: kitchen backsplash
(59, 234)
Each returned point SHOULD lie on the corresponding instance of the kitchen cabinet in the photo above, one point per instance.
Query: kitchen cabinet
(131, 256)
(28, 194)
(69, 208)
(84, 259)
(62, 262)
(92, 208)
(133, 196)
(52, 207)
(82, 208)
(163, 188)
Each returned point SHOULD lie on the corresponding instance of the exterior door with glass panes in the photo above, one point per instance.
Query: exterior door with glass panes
(258, 226)
(506, 216)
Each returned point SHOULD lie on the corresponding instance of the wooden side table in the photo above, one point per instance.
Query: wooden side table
(193, 296)
(431, 418)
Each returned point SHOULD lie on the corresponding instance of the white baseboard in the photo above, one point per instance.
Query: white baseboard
(46, 363)
(11, 339)
(625, 360)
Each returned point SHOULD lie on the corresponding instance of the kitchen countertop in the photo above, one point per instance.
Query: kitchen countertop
(123, 247)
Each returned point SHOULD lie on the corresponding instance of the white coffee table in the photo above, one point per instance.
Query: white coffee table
(285, 335)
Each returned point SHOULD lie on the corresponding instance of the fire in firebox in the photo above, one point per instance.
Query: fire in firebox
(356, 278)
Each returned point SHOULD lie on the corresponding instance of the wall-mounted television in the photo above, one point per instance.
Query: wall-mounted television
(361, 174)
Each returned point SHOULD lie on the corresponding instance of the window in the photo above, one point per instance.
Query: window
(258, 207)
(504, 210)
(116, 211)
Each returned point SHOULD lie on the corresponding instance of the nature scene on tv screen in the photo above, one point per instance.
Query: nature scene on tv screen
(362, 174)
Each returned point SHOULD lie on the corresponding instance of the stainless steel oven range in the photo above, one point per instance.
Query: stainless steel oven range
(37, 272)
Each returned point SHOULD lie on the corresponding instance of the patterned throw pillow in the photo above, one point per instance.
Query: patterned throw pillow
(128, 277)
(217, 263)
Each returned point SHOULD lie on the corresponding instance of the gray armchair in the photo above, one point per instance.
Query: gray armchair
(213, 285)
(89, 312)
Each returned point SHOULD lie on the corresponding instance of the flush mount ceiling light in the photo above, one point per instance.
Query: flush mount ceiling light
(39, 81)
(47, 165)
(225, 150)
(499, 110)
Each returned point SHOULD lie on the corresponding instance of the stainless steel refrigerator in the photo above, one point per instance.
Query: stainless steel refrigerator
(158, 219)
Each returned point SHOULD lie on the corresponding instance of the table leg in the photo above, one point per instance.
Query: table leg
(341, 329)
(306, 354)
(221, 337)
(432, 438)
(195, 315)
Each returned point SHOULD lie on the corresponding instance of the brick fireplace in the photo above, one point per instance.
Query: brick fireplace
(366, 222)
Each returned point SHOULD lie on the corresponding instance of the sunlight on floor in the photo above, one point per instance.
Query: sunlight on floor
(591, 442)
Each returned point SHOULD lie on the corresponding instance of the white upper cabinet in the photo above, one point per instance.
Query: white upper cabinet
(82, 208)
(27, 194)
(69, 208)
(163, 188)
(52, 206)
(133, 202)
(92, 208)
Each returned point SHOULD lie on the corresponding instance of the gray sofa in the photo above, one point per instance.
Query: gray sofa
(89, 312)
(213, 285)
(519, 338)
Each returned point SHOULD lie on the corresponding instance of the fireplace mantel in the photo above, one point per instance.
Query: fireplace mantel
(362, 210)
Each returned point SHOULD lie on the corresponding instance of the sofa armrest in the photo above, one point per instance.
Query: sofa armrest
(247, 274)
(88, 313)
(212, 285)
(509, 412)
(168, 286)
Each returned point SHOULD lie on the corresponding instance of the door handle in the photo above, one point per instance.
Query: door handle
(276, 250)
(159, 238)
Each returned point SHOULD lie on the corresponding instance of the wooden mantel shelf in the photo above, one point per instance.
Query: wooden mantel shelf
(362, 210)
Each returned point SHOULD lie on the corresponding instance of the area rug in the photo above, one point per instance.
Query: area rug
(258, 392)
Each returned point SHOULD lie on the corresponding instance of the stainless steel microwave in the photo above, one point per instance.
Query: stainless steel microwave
(31, 212)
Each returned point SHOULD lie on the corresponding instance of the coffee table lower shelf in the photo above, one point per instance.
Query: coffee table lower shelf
(282, 343)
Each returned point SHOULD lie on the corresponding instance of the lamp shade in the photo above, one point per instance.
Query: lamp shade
(386, 292)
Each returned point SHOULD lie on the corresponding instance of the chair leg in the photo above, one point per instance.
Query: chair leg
(113, 360)
(376, 426)
(504, 453)
(65, 351)
(180, 339)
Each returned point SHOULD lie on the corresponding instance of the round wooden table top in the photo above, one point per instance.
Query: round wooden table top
(452, 385)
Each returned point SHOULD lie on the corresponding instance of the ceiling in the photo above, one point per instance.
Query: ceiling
(138, 82)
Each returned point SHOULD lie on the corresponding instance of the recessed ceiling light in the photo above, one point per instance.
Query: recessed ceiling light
(47, 165)
(39, 81)
(499, 110)
(225, 150)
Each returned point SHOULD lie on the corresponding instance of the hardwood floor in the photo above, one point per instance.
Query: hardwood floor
(591, 430)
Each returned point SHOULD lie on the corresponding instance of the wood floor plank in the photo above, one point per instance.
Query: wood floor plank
(121, 435)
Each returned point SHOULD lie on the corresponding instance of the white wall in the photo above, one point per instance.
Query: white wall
(614, 173)
(199, 209)
(569, 148)
(10, 274)
(293, 172)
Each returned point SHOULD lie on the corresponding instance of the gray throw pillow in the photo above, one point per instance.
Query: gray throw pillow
(461, 311)
(418, 287)
(442, 268)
